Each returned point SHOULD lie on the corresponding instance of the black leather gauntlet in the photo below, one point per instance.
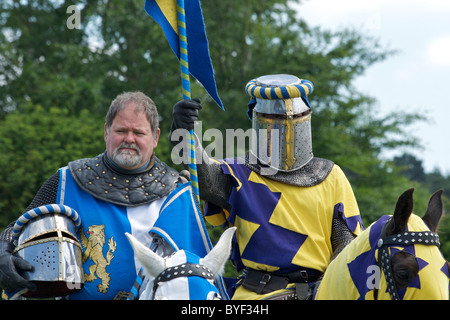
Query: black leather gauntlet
(10, 268)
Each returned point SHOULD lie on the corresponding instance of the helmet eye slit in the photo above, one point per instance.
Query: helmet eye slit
(277, 116)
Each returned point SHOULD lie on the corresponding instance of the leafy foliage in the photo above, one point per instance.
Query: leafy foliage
(34, 144)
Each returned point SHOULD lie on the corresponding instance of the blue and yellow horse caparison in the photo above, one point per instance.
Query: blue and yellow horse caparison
(396, 258)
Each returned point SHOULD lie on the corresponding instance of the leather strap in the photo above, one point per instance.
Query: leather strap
(263, 282)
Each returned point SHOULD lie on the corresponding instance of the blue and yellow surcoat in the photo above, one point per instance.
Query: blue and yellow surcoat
(281, 227)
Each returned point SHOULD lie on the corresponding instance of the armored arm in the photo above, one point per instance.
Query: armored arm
(214, 185)
(341, 235)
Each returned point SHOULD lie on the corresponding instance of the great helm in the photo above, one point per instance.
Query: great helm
(46, 237)
(281, 120)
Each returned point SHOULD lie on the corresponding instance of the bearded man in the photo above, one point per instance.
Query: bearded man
(120, 190)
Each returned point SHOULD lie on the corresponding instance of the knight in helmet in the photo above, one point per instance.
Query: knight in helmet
(293, 211)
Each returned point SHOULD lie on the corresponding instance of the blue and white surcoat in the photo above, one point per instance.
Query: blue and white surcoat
(110, 267)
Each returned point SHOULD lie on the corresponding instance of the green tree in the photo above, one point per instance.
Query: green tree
(44, 62)
(34, 144)
(412, 167)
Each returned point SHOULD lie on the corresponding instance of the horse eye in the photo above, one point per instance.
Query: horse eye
(403, 278)
(405, 269)
(402, 275)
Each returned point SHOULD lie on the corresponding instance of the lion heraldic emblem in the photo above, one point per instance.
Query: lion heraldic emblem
(94, 251)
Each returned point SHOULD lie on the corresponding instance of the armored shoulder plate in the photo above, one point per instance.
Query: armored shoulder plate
(97, 177)
(311, 174)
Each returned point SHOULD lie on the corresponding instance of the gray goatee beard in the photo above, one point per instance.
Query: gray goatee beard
(127, 159)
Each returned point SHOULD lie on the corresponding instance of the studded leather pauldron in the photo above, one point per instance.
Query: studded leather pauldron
(97, 177)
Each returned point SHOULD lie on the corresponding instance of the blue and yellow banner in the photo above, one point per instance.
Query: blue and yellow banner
(195, 55)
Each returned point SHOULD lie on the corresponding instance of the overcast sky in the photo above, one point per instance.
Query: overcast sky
(417, 78)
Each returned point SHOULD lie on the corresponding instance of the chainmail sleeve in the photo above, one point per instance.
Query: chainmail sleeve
(46, 195)
(341, 236)
(214, 186)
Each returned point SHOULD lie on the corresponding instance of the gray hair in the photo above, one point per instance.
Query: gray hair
(141, 103)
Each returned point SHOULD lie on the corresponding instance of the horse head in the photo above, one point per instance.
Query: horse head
(183, 275)
(404, 265)
(411, 250)
(397, 257)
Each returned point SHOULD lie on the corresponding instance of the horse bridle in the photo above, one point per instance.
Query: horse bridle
(182, 270)
(402, 239)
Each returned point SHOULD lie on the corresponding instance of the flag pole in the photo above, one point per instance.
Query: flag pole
(186, 89)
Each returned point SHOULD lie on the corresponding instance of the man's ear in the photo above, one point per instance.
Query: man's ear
(156, 138)
(105, 133)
